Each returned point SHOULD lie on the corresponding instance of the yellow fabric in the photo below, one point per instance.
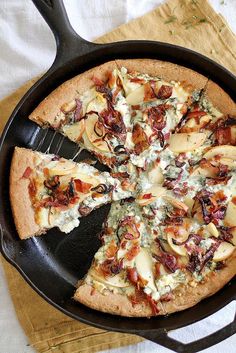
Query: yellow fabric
(189, 23)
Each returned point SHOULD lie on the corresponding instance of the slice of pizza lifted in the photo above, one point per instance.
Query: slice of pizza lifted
(47, 191)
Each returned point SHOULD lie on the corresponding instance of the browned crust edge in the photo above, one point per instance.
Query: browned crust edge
(23, 212)
(220, 99)
(184, 297)
(165, 70)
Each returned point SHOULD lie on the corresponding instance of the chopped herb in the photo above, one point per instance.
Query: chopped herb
(193, 22)
(170, 19)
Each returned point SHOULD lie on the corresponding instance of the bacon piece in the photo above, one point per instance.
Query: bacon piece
(149, 92)
(111, 250)
(156, 115)
(120, 175)
(223, 130)
(132, 275)
(223, 136)
(147, 196)
(137, 80)
(196, 114)
(164, 92)
(32, 188)
(132, 253)
(27, 173)
(152, 304)
(82, 186)
(140, 139)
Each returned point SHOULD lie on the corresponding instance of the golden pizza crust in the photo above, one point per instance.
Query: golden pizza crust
(166, 71)
(23, 212)
(184, 297)
(220, 99)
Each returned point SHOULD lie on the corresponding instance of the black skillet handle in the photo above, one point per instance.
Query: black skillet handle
(67, 40)
(162, 338)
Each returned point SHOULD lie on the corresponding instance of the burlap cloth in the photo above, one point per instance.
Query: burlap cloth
(189, 23)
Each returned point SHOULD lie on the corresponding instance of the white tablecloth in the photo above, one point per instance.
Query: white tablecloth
(27, 49)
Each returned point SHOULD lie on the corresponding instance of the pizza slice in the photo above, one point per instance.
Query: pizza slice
(145, 268)
(90, 110)
(123, 107)
(47, 191)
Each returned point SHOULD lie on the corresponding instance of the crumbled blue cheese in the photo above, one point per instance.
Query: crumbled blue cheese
(168, 282)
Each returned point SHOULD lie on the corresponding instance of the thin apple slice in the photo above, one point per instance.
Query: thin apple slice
(224, 251)
(136, 96)
(230, 215)
(178, 249)
(77, 174)
(95, 139)
(60, 167)
(209, 172)
(229, 162)
(185, 142)
(74, 131)
(142, 93)
(211, 228)
(225, 151)
(150, 195)
(155, 175)
(189, 202)
(114, 281)
(176, 203)
(97, 104)
(233, 240)
(144, 266)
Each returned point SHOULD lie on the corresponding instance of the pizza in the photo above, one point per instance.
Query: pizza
(168, 135)
(47, 191)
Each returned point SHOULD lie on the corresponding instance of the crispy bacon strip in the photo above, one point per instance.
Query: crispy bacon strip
(140, 139)
(165, 92)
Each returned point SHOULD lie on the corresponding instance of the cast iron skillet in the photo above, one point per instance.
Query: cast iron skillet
(52, 264)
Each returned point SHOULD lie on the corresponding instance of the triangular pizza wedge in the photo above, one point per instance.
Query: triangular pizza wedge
(134, 274)
(47, 191)
(122, 108)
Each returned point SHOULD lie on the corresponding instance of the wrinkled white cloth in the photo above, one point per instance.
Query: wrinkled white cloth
(27, 48)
